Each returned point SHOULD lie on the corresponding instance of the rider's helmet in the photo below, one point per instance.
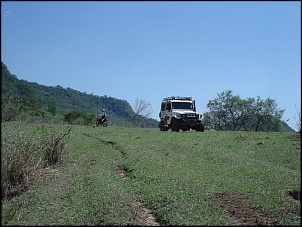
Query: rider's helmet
(103, 110)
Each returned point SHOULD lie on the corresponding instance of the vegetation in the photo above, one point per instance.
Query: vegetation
(126, 176)
(25, 152)
(142, 111)
(78, 117)
(229, 112)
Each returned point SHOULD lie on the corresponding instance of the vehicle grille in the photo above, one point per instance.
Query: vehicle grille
(191, 114)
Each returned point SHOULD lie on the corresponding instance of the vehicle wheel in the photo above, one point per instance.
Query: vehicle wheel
(175, 126)
(105, 124)
(200, 128)
(185, 129)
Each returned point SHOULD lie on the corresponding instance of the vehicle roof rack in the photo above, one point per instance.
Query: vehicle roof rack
(177, 98)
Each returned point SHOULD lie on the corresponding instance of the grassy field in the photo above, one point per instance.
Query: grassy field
(134, 176)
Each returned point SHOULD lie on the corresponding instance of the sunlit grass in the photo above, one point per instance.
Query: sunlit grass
(175, 174)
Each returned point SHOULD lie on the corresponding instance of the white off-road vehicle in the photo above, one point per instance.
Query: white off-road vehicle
(179, 113)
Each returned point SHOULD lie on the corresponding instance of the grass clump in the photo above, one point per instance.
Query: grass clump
(25, 151)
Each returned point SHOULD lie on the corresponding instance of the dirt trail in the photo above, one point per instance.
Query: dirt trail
(144, 215)
(238, 206)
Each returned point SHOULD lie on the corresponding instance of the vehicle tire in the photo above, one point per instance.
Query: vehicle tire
(185, 129)
(200, 127)
(175, 125)
(105, 124)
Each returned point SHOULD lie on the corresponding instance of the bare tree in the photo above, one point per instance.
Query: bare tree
(142, 111)
(298, 119)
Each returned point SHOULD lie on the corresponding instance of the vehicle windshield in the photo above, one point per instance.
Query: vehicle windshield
(182, 105)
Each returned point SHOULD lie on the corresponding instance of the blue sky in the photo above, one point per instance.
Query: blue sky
(152, 49)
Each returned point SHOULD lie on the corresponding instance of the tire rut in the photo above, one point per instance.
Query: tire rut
(144, 215)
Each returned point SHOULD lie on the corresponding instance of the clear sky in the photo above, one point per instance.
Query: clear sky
(153, 49)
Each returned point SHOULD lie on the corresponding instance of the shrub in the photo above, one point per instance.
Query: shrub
(79, 117)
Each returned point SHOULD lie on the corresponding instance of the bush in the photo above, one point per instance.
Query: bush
(78, 117)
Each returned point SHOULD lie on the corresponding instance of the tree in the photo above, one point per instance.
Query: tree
(229, 112)
(267, 115)
(142, 111)
(262, 115)
(52, 107)
(226, 112)
(10, 107)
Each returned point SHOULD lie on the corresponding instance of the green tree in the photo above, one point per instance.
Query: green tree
(225, 112)
(52, 107)
(10, 108)
(262, 115)
(229, 112)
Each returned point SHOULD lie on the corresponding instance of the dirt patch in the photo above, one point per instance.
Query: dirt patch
(144, 215)
(295, 137)
(100, 140)
(242, 138)
(293, 194)
(14, 191)
(122, 171)
(243, 211)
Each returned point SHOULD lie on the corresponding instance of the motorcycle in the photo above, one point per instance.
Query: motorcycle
(101, 121)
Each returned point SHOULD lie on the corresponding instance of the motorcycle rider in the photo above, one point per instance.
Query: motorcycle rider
(102, 115)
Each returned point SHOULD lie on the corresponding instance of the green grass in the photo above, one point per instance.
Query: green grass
(174, 174)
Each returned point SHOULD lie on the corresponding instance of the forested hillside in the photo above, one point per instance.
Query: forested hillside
(35, 96)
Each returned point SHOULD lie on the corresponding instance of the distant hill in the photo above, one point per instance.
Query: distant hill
(67, 99)
(287, 128)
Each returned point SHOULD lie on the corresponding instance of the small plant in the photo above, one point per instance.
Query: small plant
(16, 160)
(53, 144)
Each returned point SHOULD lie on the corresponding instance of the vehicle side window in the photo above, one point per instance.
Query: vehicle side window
(168, 106)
